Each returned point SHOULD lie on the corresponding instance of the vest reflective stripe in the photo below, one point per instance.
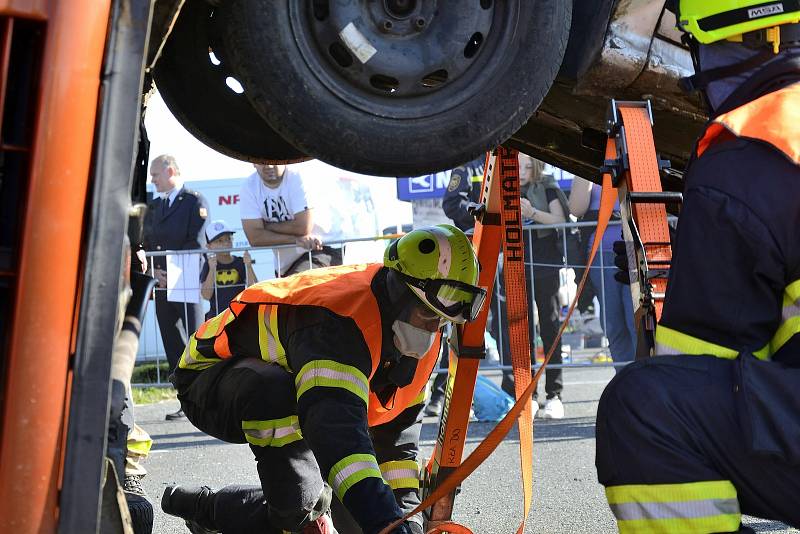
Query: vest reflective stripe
(351, 470)
(268, 342)
(790, 317)
(675, 508)
(192, 359)
(212, 332)
(670, 342)
(419, 399)
(272, 433)
(401, 474)
(215, 326)
(331, 374)
(773, 118)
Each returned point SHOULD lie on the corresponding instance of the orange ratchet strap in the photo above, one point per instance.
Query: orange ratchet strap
(445, 470)
(517, 314)
(635, 167)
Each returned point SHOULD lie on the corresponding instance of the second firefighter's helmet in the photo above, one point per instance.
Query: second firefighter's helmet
(709, 21)
(439, 265)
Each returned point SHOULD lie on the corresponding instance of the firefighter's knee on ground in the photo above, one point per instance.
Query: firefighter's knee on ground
(623, 406)
(623, 394)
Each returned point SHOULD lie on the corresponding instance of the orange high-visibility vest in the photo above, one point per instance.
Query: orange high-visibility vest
(345, 291)
(773, 118)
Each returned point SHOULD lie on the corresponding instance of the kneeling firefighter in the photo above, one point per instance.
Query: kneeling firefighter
(709, 429)
(323, 374)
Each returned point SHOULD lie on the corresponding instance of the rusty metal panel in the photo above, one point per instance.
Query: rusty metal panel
(625, 48)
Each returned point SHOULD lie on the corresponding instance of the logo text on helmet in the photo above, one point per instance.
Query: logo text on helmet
(763, 11)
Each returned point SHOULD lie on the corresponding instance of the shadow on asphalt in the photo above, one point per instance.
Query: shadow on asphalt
(563, 430)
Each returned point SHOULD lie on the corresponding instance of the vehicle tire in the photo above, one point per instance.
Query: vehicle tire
(438, 82)
(141, 513)
(196, 92)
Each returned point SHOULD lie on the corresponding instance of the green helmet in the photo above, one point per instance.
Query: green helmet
(439, 264)
(710, 21)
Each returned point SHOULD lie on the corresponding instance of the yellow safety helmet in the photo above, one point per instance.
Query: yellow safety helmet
(709, 21)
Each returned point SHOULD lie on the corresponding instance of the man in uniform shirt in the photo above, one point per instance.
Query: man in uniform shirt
(175, 221)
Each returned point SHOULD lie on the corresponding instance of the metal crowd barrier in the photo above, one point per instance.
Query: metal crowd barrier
(151, 347)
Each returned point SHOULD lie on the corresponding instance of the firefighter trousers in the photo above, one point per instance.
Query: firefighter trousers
(248, 400)
(689, 443)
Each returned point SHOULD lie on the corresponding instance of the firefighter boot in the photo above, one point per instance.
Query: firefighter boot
(190, 503)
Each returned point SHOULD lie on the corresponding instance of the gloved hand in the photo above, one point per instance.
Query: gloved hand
(621, 258)
(623, 275)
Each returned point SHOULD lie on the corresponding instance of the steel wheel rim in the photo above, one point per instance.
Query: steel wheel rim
(410, 70)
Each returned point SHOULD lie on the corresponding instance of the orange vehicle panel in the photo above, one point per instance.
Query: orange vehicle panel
(49, 262)
(32, 9)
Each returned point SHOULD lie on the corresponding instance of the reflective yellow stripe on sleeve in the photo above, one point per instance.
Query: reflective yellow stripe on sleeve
(695, 507)
(351, 470)
(273, 432)
(331, 374)
(790, 317)
(401, 474)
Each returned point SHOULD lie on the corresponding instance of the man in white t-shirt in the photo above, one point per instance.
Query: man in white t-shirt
(275, 210)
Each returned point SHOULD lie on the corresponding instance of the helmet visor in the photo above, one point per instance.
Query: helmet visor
(457, 301)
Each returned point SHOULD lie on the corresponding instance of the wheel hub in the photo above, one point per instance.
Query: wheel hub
(400, 9)
(396, 49)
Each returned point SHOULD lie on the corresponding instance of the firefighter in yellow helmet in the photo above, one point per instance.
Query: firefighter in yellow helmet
(323, 374)
(709, 429)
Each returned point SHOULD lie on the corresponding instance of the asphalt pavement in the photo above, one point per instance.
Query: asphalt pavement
(566, 498)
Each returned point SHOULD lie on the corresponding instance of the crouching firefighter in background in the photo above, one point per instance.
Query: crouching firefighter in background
(323, 374)
(708, 430)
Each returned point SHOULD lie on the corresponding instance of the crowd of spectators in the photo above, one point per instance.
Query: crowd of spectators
(276, 210)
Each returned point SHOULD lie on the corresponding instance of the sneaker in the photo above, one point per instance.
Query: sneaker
(321, 525)
(553, 409)
(174, 416)
(133, 485)
(184, 502)
(534, 407)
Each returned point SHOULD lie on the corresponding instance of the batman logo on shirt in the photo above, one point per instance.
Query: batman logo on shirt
(227, 277)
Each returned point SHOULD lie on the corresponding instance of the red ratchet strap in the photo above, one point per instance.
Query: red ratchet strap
(636, 166)
(440, 491)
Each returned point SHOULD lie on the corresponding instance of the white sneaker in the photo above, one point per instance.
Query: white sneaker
(534, 407)
(553, 409)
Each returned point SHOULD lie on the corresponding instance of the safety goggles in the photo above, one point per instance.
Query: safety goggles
(457, 301)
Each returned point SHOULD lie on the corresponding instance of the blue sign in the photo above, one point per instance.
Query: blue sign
(419, 187)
